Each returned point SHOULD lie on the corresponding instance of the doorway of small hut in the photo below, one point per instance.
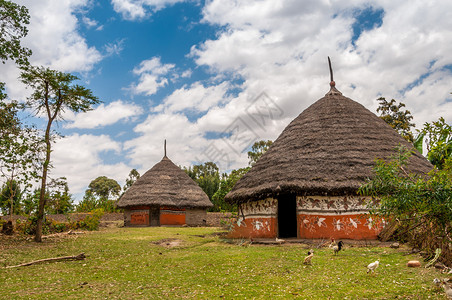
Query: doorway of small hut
(287, 216)
(154, 216)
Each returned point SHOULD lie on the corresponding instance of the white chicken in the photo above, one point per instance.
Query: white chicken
(372, 266)
(308, 259)
(448, 290)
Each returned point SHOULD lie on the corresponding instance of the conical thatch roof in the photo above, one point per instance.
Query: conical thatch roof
(329, 149)
(165, 184)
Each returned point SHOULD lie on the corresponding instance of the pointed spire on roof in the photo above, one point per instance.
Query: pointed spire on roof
(164, 148)
(333, 90)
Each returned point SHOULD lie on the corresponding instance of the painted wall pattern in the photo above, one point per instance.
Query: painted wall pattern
(336, 205)
(267, 207)
(317, 217)
(256, 219)
(337, 217)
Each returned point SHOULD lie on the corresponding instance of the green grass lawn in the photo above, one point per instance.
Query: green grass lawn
(132, 263)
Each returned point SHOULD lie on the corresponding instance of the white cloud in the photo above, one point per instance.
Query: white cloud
(89, 22)
(183, 140)
(186, 74)
(103, 115)
(194, 98)
(54, 38)
(78, 158)
(152, 76)
(281, 48)
(139, 9)
(55, 41)
(114, 48)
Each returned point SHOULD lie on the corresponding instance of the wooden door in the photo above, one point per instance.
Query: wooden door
(154, 216)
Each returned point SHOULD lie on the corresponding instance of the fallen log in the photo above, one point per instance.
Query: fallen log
(81, 256)
(75, 232)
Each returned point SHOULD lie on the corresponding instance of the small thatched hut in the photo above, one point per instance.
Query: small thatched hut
(306, 184)
(164, 195)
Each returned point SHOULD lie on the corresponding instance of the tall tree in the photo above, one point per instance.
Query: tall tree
(104, 187)
(257, 150)
(207, 176)
(133, 176)
(9, 120)
(59, 199)
(19, 147)
(226, 184)
(13, 21)
(53, 93)
(19, 161)
(399, 119)
(438, 139)
(102, 192)
(10, 198)
(30, 202)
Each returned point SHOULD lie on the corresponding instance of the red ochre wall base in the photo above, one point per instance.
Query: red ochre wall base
(139, 218)
(254, 228)
(172, 219)
(344, 226)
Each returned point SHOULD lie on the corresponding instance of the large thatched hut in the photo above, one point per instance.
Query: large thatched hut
(306, 184)
(164, 195)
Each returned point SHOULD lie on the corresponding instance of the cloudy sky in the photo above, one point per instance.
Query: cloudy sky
(212, 77)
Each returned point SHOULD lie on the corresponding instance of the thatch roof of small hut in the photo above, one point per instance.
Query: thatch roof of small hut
(165, 184)
(329, 149)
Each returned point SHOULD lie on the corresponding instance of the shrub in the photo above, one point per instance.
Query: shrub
(91, 221)
(421, 204)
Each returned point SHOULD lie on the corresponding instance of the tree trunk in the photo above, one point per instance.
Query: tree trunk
(11, 197)
(42, 195)
(45, 167)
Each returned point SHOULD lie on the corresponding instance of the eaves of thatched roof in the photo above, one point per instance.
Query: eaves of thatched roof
(165, 184)
(329, 149)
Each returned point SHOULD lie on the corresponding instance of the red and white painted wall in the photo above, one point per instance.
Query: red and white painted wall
(345, 217)
(256, 219)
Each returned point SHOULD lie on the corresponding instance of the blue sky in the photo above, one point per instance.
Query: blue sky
(212, 77)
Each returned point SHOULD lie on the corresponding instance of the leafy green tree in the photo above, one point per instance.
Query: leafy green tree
(226, 184)
(10, 198)
(13, 21)
(19, 160)
(133, 176)
(19, 150)
(59, 199)
(104, 187)
(257, 150)
(417, 201)
(102, 192)
(438, 138)
(30, 202)
(53, 93)
(9, 120)
(89, 202)
(207, 176)
(399, 119)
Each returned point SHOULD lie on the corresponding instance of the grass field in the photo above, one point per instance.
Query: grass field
(169, 263)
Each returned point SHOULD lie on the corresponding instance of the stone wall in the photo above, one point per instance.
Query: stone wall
(213, 219)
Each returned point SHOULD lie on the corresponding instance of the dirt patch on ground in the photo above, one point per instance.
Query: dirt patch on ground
(168, 243)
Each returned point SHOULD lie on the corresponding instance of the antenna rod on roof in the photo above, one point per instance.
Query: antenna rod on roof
(332, 83)
(164, 147)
